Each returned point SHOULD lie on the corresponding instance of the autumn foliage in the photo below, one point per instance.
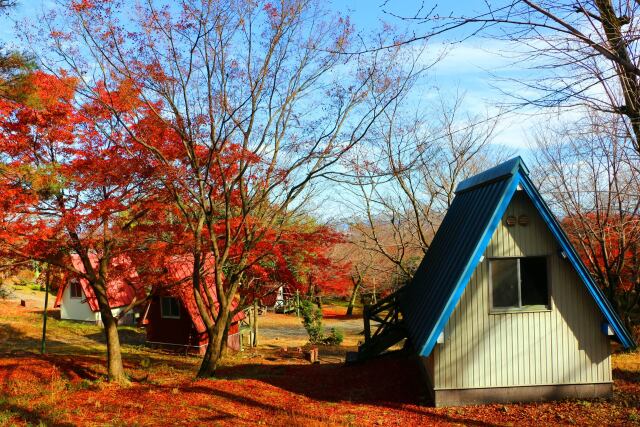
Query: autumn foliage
(263, 387)
(609, 245)
(238, 110)
(72, 186)
(106, 180)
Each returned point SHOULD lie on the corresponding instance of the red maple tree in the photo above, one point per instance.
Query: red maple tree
(242, 109)
(71, 187)
(609, 245)
(307, 263)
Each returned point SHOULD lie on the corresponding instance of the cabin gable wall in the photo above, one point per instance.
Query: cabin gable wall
(75, 308)
(562, 345)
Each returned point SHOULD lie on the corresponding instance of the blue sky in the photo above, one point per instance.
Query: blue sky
(476, 67)
(470, 66)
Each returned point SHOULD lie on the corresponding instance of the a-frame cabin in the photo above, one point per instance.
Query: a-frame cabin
(502, 308)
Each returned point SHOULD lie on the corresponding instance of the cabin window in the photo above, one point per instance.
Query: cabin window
(170, 308)
(75, 289)
(519, 283)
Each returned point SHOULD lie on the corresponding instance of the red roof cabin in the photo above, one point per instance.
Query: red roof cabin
(172, 319)
(77, 301)
(281, 299)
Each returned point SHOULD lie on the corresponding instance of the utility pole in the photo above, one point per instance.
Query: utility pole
(43, 343)
(255, 323)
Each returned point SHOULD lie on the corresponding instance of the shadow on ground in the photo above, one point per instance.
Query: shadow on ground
(52, 313)
(30, 416)
(128, 335)
(13, 341)
(335, 382)
(393, 381)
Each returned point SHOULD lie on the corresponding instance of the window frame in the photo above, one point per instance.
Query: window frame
(169, 316)
(520, 308)
(72, 284)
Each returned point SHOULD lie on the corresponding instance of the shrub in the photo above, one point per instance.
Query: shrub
(4, 290)
(312, 322)
(335, 337)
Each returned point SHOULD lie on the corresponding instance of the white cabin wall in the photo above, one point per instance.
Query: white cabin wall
(75, 308)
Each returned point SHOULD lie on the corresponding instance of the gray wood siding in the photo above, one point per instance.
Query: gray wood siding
(563, 345)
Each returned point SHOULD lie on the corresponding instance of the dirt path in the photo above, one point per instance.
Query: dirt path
(281, 330)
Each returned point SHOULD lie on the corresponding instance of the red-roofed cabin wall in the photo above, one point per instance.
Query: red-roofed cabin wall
(175, 330)
(172, 331)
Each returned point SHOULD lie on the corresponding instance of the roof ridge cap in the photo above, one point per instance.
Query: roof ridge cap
(501, 171)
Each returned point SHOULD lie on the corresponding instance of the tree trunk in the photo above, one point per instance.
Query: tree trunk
(115, 369)
(311, 290)
(354, 295)
(313, 293)
(254, 324)
(213, 353)
(611, 287)
(225, 338)
(613, 29)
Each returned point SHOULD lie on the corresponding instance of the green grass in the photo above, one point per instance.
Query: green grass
(32, 288)
(23, 330)
(71, 325)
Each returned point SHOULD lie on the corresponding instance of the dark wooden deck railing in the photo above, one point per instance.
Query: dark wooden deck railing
(385, 316)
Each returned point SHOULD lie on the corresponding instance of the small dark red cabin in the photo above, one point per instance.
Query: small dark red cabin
(172, 319)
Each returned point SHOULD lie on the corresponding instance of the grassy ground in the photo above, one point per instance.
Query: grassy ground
(265, 386)
(32, 292)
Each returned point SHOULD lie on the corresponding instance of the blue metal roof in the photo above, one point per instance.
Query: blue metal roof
(462, 238)
(497, 173)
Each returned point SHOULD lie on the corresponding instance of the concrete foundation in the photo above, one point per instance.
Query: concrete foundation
(477, 396)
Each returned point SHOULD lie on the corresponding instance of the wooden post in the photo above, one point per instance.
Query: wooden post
(297, 303)
(255, 324)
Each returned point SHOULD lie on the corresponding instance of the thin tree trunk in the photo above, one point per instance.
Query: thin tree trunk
(354, 295)
(311, 290)
(313, 293)
(612, 293)
(225, 339)
(254, 325)
(374, 298)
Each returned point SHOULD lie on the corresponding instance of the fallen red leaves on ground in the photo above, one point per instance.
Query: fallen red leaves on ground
(267, 387)
(333, 312)
(68, 390)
